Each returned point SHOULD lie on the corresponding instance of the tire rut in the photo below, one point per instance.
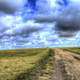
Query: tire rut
(47, 71)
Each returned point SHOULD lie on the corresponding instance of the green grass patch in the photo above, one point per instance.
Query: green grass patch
(20, 52)
(74, 50)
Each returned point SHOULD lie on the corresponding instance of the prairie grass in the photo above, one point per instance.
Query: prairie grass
(74, 50)
(13, 63)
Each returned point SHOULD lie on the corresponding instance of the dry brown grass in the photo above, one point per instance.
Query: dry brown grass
(11, 66)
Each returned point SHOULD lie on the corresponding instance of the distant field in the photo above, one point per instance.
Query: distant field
(17, 64)
(20, 52)
(75, 50)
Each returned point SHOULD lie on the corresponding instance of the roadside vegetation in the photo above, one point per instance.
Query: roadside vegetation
(74, 50)
(22, 64)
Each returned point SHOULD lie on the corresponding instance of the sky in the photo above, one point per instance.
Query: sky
(20, 29)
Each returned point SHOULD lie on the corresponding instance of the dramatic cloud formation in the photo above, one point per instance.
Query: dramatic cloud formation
(68, 22)
(10, 6)
(46, 27)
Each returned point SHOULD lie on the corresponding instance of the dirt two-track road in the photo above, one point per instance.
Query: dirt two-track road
(63, 65)
(66, 65)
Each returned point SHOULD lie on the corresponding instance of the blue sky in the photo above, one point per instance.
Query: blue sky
(17, 33)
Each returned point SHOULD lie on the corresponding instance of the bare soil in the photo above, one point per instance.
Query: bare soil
(67, 65)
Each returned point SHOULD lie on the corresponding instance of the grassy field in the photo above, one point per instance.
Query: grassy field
(75, 50)
(18, 64)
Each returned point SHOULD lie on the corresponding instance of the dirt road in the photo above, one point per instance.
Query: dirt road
(67, 65)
